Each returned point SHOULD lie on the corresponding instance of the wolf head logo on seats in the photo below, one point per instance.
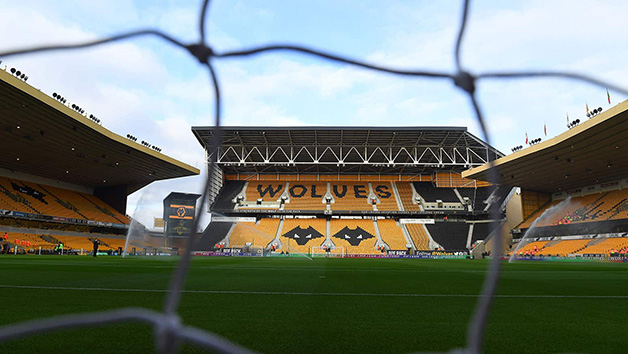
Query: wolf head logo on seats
(302, 236)
(353, 236)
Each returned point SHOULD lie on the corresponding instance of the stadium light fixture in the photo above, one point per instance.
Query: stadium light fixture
(577, 121)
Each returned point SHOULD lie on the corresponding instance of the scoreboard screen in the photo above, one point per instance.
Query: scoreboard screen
(179, 214)
(180, 219)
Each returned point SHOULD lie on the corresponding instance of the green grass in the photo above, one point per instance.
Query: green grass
(328, 322)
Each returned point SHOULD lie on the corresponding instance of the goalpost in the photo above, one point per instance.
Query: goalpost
(338, 252)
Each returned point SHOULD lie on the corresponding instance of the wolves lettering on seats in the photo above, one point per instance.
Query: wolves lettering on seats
(353, 236)
(297, 191)
(269, 189)
(339, 190)
(359, 191)
(382, 192)
(314, 195)
(340, 195)
(302, 236)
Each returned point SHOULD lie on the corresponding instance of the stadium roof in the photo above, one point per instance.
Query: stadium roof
(590, 153)
(346, 150)
(43, 137)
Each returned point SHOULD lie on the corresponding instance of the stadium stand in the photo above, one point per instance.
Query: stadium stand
(469, 193)
(605, 246)
(450, 235)
(306, 196)
(531, 248)
(257, 234)
(355, 236)
(419, 236)
(580, 209)
(296, 235)
(33, 241)
(592, 207)
(405, 192)
(384, 192)
(266, 191)
(350, 196)
(227, 194)
(14, 201)
(213, 234)
(392, 234)
(430, 193)
(480, 231)
(563, 247)
(478, 196)
(28, 241)
(355, 177)
(309, 195)
(53, 201)
(619, 205)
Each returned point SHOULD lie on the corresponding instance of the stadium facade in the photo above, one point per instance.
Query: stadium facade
(64, 178)
(574, 190)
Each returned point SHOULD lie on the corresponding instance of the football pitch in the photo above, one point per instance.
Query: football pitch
(298, 305)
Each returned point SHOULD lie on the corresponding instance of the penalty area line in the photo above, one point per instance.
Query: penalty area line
(295, 293)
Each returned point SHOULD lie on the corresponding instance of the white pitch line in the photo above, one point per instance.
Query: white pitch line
(322, 268)
(238, 292)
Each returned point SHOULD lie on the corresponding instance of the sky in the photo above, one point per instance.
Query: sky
(156, 92)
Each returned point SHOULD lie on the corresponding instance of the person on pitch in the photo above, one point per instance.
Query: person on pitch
(96, 242)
